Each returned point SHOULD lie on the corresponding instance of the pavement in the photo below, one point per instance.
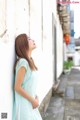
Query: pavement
(68, 106)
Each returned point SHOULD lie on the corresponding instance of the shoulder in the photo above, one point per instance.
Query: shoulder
(22, 63)
(23, 60)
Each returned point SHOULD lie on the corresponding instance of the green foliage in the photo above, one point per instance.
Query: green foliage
(68, 64)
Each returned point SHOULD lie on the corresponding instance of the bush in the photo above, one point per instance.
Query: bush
(68, 64)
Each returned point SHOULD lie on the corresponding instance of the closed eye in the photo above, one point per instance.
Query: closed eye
(29, 39)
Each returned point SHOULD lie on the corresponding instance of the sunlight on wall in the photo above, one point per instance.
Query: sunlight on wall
(59, 49)
(6, 78)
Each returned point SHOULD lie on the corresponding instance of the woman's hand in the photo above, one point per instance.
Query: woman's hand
(35, 103)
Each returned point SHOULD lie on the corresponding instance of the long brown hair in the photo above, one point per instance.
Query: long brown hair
(21, 46)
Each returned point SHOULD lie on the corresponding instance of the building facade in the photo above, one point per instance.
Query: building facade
(71, 46)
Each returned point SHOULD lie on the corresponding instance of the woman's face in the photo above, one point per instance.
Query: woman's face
(32, 44)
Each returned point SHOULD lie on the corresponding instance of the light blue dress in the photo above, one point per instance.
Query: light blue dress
(23, 109)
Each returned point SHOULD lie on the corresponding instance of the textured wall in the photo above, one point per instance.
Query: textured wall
(2, 16)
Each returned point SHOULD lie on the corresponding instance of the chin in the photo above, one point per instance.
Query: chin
(34, 47)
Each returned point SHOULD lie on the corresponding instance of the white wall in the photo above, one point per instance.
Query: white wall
(6, 78)
(2, 16)
(54, 6)
(59, 49)
(46, 73)
(7, 57)
(21, 17)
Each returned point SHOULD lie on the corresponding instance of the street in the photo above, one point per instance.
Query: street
(67, 107)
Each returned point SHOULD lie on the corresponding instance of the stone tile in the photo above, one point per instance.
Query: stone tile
(77, 91)
(74, 78)
(73, 82)
(48, 116)
(63, 84)
(54, 117)
(63, 89)
(71, 118)
(72, 110)
(70, 92)
(68, 107)
(55, 110)
(56, 101)
(72, 104)
(74, 71)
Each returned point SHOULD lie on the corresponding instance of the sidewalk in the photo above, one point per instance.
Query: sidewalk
(67, 107)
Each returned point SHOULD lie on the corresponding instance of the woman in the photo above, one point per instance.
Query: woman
(26, 102)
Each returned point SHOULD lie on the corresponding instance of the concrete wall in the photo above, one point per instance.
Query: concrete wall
(6, 78)
(59, 49)
(2, 16)
(46, 69)
(7, 56)
(35, 19)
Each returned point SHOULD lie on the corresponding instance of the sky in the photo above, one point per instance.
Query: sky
(76, 8)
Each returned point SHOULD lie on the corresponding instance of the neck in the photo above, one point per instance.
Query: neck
(29, 54)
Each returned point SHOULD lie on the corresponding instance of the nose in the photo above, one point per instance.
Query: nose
(33, 40)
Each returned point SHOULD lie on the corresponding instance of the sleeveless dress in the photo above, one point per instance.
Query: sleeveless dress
(23, 109)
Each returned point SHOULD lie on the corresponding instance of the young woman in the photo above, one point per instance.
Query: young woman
(26, 102)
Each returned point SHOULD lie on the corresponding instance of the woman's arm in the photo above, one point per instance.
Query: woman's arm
(18, 88)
